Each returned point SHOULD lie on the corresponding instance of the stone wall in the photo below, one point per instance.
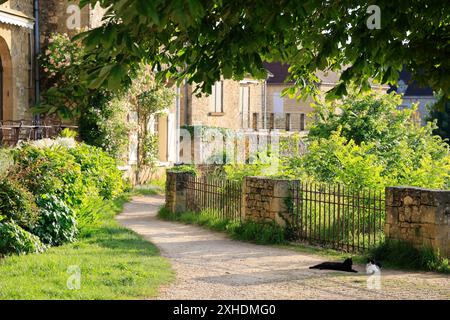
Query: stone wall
(176, 183)
(201, 111)
(264, 200)
(419, 216)
(23, 6)
(54, 17)
(16, 53)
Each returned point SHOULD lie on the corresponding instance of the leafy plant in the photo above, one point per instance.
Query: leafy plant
(15, 240)
(66, 94)
(98, 169)
(368, 134)
(68, 133)
(56, 224)
(150, 149)
(74, 174)
(5, 161)
(51, 170)
(103, 123)
(232, 39)
(185, 168)
(17, 204)
(404, 255)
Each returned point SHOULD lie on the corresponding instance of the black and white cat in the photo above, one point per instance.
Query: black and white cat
(373, 267)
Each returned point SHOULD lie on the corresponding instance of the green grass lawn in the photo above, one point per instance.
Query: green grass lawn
(115, 263)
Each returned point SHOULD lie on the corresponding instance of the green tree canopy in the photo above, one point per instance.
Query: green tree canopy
(200, 40)
(364, 140)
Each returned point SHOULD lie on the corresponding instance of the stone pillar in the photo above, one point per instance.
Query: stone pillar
(420, 217)
(265, 200)
(176, 183)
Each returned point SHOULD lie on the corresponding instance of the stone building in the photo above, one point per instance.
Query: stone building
(414, 95)
(230, 105)
(19, 49)
(17, 59)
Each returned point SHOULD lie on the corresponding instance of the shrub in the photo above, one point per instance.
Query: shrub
(6, 161)
(337, 160)
(99, 169)
(261, 233)
(368, 134)
(51, 170)
(91, 212)
(68, 133)
(15, 240)
(185, 168)
(71, 171)
(56, 224)
(404, 255)
(17, 204)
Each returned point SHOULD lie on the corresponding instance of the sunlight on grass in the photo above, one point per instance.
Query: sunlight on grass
(115, 263)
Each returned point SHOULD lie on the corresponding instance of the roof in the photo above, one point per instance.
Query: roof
(412, 88)
(279, 72)
(17, 18)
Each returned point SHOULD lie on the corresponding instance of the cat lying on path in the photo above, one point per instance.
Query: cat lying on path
(345, 266)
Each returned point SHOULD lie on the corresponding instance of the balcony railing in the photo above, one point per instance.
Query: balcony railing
(291, 122)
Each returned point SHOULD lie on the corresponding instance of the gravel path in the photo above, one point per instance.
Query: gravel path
(211, 266)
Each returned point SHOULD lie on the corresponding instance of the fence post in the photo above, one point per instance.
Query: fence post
(176, 191)
(265, 200)
(419, 216)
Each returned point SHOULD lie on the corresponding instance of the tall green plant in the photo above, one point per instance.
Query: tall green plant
(365, 140)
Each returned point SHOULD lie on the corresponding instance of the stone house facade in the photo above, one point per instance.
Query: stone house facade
(19, 49)
(230, 105)
(248, 104)
(17, 59)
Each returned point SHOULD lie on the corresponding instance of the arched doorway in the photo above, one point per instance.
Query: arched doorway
(1, 89)
(6, 112)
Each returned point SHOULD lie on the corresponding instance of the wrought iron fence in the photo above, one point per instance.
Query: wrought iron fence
(222, 198)
(337, 216)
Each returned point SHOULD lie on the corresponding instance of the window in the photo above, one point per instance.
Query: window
(217, 97)
(245, 106)
(255, 121)
(302, 122)
(156, 125)
(278, 103)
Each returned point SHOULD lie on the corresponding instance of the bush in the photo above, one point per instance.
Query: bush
(68, 179)
(51, 170)
(73, 172)
(15, 240)
(56, 224)
(185, 168)
(366, 135)
(6, 161)
(99, 169)
(17, 204)
(261, 233)
(403, 255)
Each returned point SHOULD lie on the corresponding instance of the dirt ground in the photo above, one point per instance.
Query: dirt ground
(211, 266)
